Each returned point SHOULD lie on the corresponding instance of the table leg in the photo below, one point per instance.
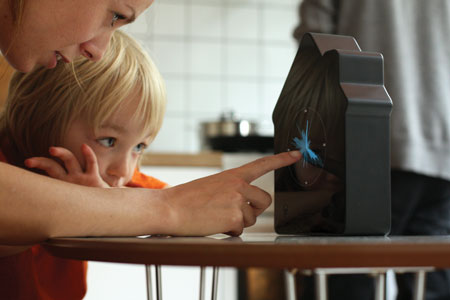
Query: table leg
(321, 285)
(419, 285)
(380, 286)
(289, 281)
(148, 275)
(158, 282)
(215, 283)
(202, 283)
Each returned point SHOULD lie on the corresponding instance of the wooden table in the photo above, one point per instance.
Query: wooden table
(323, 255)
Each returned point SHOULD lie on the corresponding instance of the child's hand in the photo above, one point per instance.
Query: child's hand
(72, 170)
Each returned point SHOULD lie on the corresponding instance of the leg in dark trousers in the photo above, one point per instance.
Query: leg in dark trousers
(340, 287)
(421, 206)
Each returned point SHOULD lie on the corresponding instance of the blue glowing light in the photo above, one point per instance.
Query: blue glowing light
(309, 156)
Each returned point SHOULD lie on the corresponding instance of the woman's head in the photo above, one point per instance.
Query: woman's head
(42, 105)
(37, 33)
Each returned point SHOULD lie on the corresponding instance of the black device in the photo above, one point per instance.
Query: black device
(335, 110)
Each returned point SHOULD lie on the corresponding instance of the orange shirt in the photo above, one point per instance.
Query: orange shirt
(36, 275)
(144, 181)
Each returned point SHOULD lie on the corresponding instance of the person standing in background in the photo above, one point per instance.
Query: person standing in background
(414, 38)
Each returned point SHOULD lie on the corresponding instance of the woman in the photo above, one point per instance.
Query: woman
(34, 207)
(102, 125)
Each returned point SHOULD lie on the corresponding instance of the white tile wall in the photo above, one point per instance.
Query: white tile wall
(216, 56)
(201, 15)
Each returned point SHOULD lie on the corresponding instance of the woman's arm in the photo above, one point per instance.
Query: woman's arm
(36, 207)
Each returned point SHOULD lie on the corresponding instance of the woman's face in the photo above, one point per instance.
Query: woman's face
(63, 29)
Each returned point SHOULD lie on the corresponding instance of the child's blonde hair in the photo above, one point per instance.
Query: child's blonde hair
(43, 103)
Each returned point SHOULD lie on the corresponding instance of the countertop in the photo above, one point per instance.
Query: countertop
(201, 159)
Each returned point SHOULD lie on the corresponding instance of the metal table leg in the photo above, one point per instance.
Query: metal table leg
(321, 285)
(378, 273)
(148, 275)
(419, 285)
(215, 283)
(380, 286)
(289, 279)
(158, 282)
(202, 283)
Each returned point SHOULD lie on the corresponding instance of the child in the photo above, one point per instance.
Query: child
(87, 125)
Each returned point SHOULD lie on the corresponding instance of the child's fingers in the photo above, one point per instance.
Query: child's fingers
(70, 161)
(91, 159)
(92, 169)
(51, 167)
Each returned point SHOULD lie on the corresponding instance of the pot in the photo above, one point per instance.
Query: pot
(228, 125)
(228, 128)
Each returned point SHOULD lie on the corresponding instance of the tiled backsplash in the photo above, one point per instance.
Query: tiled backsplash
(217, 56)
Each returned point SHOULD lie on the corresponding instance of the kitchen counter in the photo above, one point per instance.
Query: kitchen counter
(215, 159)
(201, 159)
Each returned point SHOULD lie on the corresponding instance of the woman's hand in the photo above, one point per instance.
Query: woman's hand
(224, 202)
(70, 170)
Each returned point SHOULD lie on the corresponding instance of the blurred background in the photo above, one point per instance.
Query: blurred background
(217, 56)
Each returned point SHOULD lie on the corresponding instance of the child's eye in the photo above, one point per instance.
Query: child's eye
(107, 142)
(116, 16)
(140, 148)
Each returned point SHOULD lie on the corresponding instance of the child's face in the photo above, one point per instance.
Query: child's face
(118, 143)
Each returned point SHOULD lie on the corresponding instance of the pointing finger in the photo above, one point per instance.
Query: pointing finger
(259, 167)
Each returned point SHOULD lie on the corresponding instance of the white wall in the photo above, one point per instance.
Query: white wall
(215, 56)
(128, 282)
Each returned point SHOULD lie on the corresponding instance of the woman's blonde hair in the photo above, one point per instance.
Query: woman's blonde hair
(17, 7)
(43, 103)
